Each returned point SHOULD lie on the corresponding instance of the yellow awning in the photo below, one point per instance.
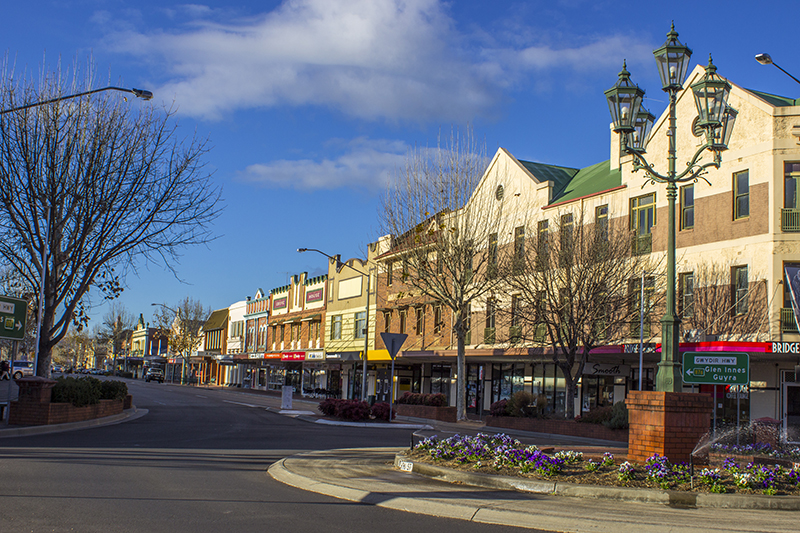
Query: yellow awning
(379, 355)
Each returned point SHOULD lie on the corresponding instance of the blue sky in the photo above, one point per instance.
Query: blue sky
(310, 105)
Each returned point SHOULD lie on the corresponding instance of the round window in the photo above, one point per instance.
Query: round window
(498, 193)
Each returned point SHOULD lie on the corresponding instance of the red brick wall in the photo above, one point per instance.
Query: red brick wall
(668, 423)
(445, 414)
(558, 427)
(39, 414)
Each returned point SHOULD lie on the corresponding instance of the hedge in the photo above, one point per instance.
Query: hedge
(87, 390)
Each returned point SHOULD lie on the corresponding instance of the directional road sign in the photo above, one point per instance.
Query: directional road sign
(716, 368)
(12, 318)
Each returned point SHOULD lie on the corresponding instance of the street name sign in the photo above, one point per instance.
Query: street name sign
(716, 368)
(13, 312)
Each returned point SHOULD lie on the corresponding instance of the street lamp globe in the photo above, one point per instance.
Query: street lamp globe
(624, 100)
(711, 98)
(672, 60)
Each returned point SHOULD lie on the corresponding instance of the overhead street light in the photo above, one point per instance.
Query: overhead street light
(715, 118)
(765, 59)
(139, 93)
(366, 321)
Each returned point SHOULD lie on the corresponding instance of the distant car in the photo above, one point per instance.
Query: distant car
(22, 368)
(58, 369)
(154, 374)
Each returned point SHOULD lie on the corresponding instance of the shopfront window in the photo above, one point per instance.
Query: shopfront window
(507, 379)
(440, 380)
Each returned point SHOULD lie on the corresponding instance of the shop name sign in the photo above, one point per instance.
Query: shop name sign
(716, 368)
(786, 347)
(607, 370)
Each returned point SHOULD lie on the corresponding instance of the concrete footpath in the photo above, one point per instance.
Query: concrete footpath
(368, 476)
(386, 478)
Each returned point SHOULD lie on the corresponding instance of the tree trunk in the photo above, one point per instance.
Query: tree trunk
(461, 380)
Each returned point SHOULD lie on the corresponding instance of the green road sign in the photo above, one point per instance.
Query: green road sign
(13, 312)
(716, 368)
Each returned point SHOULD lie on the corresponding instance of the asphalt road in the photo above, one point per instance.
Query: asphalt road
(196, 462)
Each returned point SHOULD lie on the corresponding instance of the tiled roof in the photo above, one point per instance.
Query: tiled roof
(590, 180)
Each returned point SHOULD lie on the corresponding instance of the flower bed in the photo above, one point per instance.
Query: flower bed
(501, 454)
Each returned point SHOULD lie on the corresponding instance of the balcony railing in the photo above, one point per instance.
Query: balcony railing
(515, 334)
(488, 336)
(790, 220)
(788, 324)
(642, 244)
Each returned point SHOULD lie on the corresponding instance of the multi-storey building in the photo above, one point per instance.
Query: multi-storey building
(739, 228)
(295, 338)
(255, 368)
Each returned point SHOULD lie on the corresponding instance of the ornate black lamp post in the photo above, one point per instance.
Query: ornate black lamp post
(633, 123)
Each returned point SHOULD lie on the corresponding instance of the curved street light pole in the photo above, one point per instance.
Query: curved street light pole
(765, 59)
(139, 93)
(366, 318)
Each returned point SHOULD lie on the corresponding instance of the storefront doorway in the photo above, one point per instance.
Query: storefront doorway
(475, 389)
(791, 412)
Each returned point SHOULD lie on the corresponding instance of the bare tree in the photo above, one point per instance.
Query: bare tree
(442, 234)
(711, 303)
(576, 289)
(182, 326)
(89, 188)
(116, 330)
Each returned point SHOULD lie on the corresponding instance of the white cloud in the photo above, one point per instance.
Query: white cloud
(395, 60)
(371, 59)
(364, 164)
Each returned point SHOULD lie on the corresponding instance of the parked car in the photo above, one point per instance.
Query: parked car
(154, 374)
(22, 368)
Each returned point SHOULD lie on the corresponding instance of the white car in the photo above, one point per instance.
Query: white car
(22, 368)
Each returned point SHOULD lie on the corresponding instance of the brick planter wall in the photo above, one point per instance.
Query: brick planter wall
(445, 414)
(40, 414)
(34, 408)
(668, 423)
(558, 427)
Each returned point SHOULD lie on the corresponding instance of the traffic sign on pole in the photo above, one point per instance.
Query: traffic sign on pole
(716, 368)
(13, 312)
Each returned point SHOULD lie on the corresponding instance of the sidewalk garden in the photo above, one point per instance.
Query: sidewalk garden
(504, 455)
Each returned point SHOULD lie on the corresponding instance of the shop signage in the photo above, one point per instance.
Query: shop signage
(13, 312)
(315, 356)
(344, 356)
(264, 356)
(280, 303)
(786, 347)
(716, 368)
(314, 296)
(293, 356)
(598, 369)
(647, 347)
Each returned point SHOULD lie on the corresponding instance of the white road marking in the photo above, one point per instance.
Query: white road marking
(240, 403)
(201, 396)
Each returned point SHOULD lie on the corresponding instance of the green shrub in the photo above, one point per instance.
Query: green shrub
(113, 390)
(87, 390)
(619, 417)
(520, 404)
(412, 398)
(77, 391)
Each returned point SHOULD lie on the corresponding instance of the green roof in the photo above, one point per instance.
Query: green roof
(560, 176)
(590, 180)
(775, 100)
